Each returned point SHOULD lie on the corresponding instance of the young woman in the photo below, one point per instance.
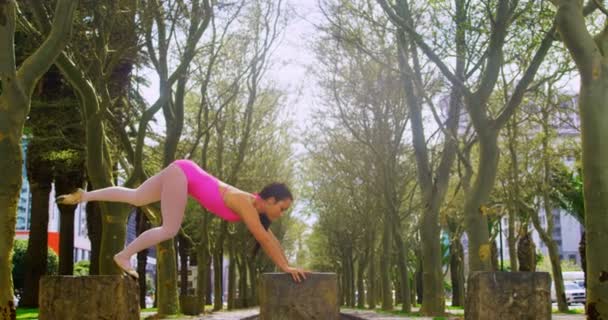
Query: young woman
(172, 186)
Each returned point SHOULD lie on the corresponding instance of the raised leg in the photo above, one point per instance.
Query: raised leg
(148, 192)
(173, 199)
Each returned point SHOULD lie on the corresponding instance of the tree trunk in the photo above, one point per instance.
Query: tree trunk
(65, 183)
(142, 258)
(457, 272)
(512, 132)
(203, 270)
(243, 296)
(15, 99)
(342, 283)
(251, 265)
(66, 240)
(351, 280)
(371, 275)
(558, 279)
(404, 284)
(94, 229)
(218, 276)
(166, 289)
(494, 254)
(433, 301)
(231, 276)
(67, 179)
(361, 283)
(35, 261)
(589, 54)
(476, 221)
(512, 241)
(183, 261)
(419, 286)
(594, 114)
(526, 253)
(582, 251)
(385, 271)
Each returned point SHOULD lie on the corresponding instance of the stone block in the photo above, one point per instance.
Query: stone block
(508, 296)
(314, 298)
(90, 297)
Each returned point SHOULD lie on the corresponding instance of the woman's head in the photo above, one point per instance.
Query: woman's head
(276, 199)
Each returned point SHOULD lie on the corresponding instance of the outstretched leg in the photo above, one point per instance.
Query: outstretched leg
(148, 192)
(173, 199)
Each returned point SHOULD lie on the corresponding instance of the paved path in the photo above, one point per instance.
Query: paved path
(368, 315)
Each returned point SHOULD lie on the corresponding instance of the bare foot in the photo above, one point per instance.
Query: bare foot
(124, 264)
(71, 198)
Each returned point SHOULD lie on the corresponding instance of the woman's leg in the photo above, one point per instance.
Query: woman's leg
(148, 192)
(174, 195)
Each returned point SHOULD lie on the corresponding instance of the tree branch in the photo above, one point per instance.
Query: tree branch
(402, 23)
(41, 60)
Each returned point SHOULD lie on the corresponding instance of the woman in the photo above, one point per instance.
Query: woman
(172, 186)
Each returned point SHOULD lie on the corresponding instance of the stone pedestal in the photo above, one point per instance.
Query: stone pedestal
(508, 296)
(90, 297)
(314, 298)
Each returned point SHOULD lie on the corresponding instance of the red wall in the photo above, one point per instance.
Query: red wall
(53, 239)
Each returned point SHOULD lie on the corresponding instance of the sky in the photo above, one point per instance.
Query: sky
(290, 59)
(293, 57)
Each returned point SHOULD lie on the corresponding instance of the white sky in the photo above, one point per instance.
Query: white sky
(289, 63)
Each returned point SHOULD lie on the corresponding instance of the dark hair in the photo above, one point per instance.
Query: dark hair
(265, 221)
(278, 190)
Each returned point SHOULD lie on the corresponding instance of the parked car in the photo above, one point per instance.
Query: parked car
(580, 283)
(574, 293)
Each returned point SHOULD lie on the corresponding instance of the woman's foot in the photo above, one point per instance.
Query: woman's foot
(125, 265)
(72, 198)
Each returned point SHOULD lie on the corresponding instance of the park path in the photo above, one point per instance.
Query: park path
(368, 315)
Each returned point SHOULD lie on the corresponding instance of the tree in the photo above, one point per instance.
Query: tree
(478, 100)
(545, 193)
(354, 71)
(588, 52)
(15, 98)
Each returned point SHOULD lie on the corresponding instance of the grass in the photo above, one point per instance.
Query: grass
(570, 311)
(27, 313)
(32, 313)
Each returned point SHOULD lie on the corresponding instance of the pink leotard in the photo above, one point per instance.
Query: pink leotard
(205, 189)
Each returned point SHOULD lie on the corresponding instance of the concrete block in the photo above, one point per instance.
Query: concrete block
(89, 297)
(283, 299)
(508, 296)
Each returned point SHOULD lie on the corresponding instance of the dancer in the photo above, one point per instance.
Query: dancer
(172, 186)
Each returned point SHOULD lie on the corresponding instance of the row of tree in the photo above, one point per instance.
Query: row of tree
(87, 122)
(419, 100)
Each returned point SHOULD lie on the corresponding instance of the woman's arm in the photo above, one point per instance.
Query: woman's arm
(267, 241)
(277, 244)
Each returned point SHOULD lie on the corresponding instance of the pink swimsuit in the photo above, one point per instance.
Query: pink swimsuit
(205, 189)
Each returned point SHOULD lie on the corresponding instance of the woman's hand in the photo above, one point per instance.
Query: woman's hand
(298, 274)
